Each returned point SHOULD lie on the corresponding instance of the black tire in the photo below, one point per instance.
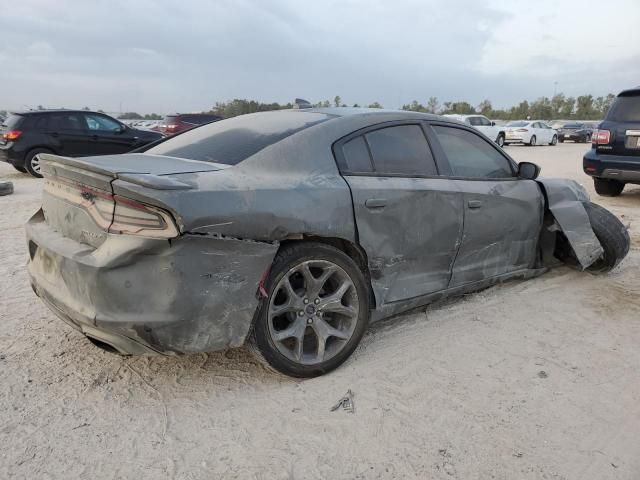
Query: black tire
(554, 140)
(500, 140)
(532, 141)
(30, 161)
(608, 188)
(6, 188)
(20, 168)
(613, 237)
(587, 139)
(261, 341)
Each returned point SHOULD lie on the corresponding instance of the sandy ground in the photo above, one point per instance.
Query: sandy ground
(528, 380)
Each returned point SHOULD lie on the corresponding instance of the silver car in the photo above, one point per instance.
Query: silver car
(292, 230)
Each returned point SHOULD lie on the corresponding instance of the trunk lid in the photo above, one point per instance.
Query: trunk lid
(78, 198)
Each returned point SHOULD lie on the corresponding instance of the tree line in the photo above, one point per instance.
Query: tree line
(583, 107)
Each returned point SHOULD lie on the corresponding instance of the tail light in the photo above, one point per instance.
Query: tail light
(522, 130)
(113, 213)
(12, 135)
(600, 137)
(172, 127)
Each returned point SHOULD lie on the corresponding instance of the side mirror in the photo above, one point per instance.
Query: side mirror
(122, 129)
(528, 170)
(493, 124)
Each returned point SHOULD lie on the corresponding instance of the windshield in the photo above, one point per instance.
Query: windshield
(518, 123)
(625, 109)
(232, 141)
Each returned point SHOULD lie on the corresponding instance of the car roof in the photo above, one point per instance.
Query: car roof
(630, 92)
(54, 110)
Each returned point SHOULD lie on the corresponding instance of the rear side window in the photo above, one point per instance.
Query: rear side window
(471, 156)
(356, 156)
(401, 150)
(66, 121)
(625, 109)
(236, 139)
(198, 119)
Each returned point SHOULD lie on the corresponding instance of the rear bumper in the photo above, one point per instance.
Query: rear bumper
(7, 154)
(617, 167)
(193, 294)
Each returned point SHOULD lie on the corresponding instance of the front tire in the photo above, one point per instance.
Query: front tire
(554, 140)
(532, 141)
(500, 140)
(32, 161)
(613, 237)
(607, 188)
(315, 313)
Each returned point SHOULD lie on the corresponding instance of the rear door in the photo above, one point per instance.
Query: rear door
(107, 136)
(409, 218)
(502, 213)
(67, 133)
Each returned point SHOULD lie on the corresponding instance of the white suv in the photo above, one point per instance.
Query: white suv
(486, 126)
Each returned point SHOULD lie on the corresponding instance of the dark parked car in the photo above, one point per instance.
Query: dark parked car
(180, 122)
(575, 132)
(614, 159)
(24, 136)
(293, 229)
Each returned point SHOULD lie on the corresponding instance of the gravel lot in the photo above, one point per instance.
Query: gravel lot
(527, 380)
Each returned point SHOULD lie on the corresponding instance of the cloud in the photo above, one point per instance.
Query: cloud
(180, 56)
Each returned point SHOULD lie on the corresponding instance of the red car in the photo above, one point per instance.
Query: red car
(180, 122)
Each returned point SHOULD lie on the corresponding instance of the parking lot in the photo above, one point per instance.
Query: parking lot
(526, 380)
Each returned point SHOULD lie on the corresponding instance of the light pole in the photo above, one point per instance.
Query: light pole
(555, 88)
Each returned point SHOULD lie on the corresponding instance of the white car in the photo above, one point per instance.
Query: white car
(530, 132)
(486, 126)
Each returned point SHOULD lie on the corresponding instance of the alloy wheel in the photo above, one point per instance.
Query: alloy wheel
(313, 312)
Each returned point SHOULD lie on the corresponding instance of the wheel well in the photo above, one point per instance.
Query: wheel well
(26, 153)
(354, 251)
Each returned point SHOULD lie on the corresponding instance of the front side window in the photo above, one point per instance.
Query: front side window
(475, 121)
(401, 150)
(98, 122)
(471, 156)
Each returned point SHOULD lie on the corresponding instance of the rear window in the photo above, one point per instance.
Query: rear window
(517, 124)
(572, 125)
(236, 139)
(625, 109)
(12, 121)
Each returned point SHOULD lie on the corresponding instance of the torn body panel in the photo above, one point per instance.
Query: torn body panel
(565, 200)
(191, 294)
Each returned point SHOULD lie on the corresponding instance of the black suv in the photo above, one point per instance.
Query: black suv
(25, 135)
(614, 159)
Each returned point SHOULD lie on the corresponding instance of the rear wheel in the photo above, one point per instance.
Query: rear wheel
(316, 311)
(532, 142)
(587, 138)
(608, 188)
(611, 233)
(500, 140)
(32, 161)
(554, 140)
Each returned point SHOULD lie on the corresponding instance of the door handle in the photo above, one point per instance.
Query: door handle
(474, 203)
(375, 203)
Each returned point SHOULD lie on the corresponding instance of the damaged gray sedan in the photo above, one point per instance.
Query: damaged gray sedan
(292, 230)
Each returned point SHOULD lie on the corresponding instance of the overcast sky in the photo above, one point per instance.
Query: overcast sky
(166, 56)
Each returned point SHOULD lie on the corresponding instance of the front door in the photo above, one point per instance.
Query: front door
(107, 136)
(502, 213)
(409, 220)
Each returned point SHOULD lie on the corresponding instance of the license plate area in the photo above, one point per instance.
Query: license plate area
(632, 141)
